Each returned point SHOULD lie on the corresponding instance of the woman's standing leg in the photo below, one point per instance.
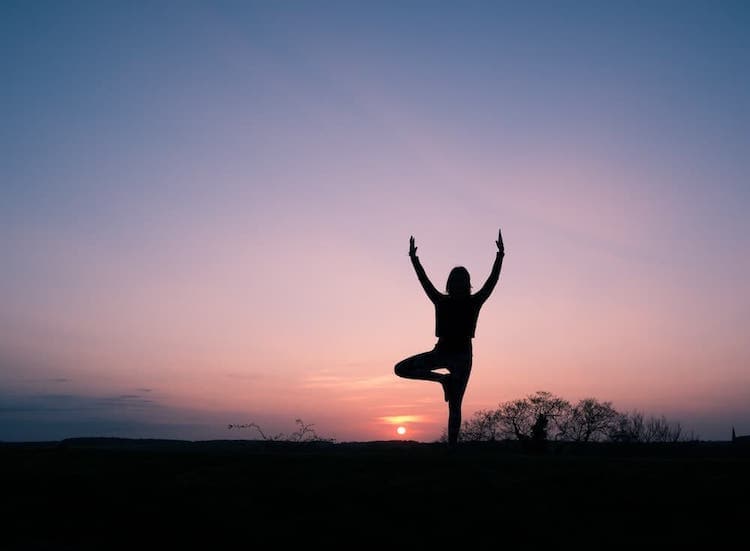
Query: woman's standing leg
(456, 385)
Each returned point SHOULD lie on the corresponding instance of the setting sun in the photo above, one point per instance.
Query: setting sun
(401, 430)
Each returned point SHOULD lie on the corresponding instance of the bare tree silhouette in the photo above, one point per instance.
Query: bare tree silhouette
(542, 416)
(589, 420)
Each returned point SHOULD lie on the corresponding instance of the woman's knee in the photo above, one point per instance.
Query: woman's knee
(399, 368)
(406, 367)
(412, 365)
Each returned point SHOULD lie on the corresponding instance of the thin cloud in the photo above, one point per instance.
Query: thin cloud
(72, 403)
(244, 376)
(337, 382)
(401, 419)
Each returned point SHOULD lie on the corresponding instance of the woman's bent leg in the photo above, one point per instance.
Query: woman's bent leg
(421, 367)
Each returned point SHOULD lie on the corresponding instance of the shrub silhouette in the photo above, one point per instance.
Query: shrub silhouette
(539, 429)
(542, 416)
(305, 433)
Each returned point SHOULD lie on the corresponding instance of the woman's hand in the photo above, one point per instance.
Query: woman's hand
(499, 242)
(412, 248)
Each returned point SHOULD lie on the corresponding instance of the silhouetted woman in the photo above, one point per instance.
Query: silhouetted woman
(456, 315)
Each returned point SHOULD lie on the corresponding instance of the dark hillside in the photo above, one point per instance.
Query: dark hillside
(108, 493)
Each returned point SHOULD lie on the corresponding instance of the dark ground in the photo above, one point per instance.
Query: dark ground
(136, 494)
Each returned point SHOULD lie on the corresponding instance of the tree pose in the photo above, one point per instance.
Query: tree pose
(456, 315)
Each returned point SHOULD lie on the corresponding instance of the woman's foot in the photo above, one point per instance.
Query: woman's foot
(446, 382)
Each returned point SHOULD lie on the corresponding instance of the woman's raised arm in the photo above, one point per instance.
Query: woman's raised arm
(427, 285)
(484, 293)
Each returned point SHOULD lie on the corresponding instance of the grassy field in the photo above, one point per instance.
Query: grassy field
(135, 494)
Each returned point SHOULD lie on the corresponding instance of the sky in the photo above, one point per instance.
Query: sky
(205, 211)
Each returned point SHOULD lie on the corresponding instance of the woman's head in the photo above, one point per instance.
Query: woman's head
(459, 282)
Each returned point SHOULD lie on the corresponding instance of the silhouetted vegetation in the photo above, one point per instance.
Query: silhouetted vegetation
(305, 433)
(542, 416)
